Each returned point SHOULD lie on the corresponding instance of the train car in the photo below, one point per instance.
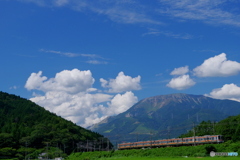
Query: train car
(196, 140)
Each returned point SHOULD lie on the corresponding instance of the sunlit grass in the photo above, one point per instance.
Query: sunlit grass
(170, 158)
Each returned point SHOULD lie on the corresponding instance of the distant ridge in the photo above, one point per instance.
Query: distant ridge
(165, 116)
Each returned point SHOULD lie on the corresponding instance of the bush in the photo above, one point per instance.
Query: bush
(7, 152)
(210, 148)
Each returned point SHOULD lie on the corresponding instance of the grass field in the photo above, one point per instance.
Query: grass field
(200, 152)
(171, 158)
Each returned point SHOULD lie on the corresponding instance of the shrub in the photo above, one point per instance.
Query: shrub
(210, 148)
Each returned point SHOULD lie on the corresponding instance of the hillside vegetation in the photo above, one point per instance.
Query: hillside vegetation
(184, 151)
(229, 128)
(27, 129)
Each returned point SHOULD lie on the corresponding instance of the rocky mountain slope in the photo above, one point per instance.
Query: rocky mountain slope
(165, 116)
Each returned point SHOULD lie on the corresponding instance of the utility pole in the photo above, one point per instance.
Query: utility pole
(168, 132)
(26, 144)
(151, 138)
(47, 147)
(94, 143)
(101, 143)
(64, 147)
(213, 128)
(137, 136)
(194, 134)
(87, 145)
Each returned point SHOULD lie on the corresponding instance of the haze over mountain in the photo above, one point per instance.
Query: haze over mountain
(165, 116)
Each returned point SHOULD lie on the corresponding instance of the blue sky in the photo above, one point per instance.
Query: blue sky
(86, 60)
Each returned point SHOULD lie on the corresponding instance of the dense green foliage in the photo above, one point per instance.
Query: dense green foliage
(190, 151)
(229, 128)
(26, 128)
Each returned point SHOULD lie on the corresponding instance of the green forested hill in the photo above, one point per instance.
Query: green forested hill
(23, 124)
(229, 128)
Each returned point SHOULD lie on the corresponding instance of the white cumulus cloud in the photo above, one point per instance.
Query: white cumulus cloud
(228, 91)
(121, 103)
(35, 81)
(73, 81)
(81, 108)
(217, 66)
(70, 95)
(182, 82)
(122, 83)
(180, 71)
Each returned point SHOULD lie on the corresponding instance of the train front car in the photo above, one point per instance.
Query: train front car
(207, 139)
(212, 139)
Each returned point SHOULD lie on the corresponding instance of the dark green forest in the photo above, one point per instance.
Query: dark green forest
(27, 129)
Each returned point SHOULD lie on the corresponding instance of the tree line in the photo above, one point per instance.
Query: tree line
(229, 128)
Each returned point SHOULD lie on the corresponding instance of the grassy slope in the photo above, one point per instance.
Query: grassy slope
(171, 158)
(189, 151)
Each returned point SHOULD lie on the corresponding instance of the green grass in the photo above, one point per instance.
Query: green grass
(200, 152)
(171, 158)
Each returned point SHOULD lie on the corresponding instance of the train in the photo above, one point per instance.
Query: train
(187, 141)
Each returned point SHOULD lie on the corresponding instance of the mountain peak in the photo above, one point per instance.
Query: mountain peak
(163, 100)
(175, 96)
(160, 114)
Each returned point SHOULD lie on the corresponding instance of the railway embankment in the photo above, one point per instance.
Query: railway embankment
(187, 151)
